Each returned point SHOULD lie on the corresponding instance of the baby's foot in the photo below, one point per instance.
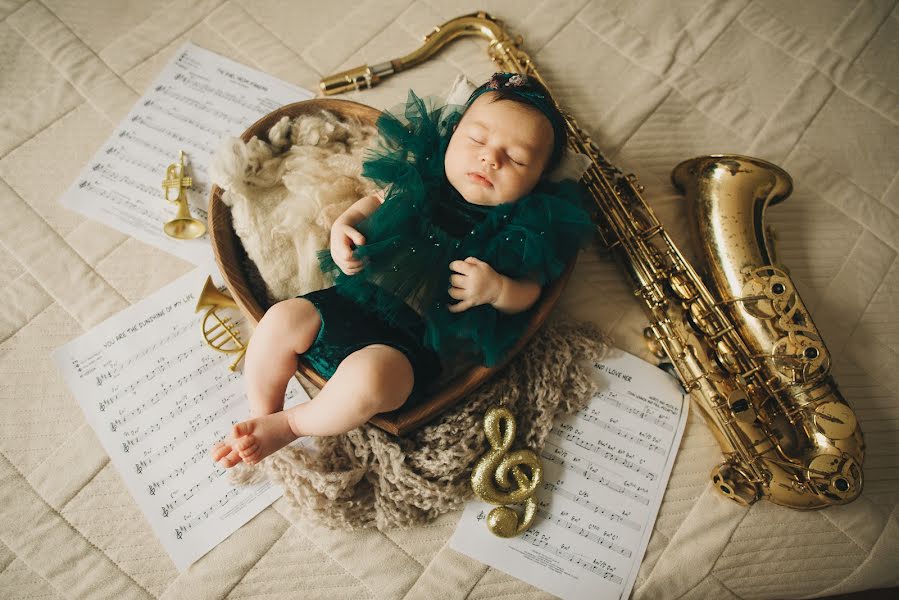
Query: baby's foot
(257, 438)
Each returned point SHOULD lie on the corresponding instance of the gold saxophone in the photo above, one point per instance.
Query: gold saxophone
(743, 344)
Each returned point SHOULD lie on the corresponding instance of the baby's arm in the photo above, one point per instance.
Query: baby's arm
(474, 282)
(345, 237)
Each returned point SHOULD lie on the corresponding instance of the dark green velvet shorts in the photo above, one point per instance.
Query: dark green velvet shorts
(348, 327)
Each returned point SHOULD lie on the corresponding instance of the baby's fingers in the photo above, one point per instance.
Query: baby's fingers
(351, 266)
(343, 255)
(356, 237)
(460, 266)
(460, 306)
(457, 293)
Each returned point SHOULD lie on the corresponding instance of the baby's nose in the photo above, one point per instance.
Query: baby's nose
(490, 160)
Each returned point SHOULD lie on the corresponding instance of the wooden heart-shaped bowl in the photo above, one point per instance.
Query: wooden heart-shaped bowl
(245, 284)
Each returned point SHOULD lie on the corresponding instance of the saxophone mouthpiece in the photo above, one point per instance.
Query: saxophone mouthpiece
(357, 78)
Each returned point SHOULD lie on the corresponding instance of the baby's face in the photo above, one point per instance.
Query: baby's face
(498, 151)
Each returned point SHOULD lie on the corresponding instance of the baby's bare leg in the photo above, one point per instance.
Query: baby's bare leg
(373, 380)
(288, 328)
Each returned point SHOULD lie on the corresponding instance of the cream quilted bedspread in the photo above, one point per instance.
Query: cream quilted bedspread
(812, 86)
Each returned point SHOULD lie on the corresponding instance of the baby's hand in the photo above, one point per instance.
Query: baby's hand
(344, 239)
(473, 283)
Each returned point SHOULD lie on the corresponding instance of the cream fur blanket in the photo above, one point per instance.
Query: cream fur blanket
(284, 194)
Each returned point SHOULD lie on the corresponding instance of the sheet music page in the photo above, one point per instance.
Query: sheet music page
(158, 398)
(199, 99)
(605, 471)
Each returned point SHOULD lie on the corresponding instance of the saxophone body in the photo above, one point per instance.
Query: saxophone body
(793, 437)
(737, 334)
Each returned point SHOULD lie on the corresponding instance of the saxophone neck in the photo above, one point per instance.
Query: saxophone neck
(480, 24)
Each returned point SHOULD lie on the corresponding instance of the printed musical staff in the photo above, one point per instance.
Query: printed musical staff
(597, 509)
(592, 472)
(135, 139)
(182, 118)
(202, 105)
(162, 365)
(181, 405)
(605, 449)
(170, 507)
(645, 413)
(647, 440)
(201, 516)
(208, 91)
(602, 540)
(180, 140)
(194, 425)
(593, 565)
(122, 155)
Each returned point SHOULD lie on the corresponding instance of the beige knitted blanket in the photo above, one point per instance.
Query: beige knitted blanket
(369, 478)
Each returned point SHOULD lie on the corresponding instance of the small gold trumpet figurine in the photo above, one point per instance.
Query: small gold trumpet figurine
(183, 226)
(491, 479)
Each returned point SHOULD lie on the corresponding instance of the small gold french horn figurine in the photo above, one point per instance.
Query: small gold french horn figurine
(220, 333)
(183, 226)
(491, 481)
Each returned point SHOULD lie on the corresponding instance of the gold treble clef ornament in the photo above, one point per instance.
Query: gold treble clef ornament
(490, 478)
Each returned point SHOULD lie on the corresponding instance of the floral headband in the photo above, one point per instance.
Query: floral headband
(522, 88)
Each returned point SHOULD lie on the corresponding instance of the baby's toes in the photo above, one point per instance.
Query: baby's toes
(241, 429)
(251, 454)
(219, 451)
(231, 459)
(245, 442)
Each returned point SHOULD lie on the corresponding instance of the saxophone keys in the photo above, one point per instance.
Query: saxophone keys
(726, 357)
(800, 358)
(740, 407)
(837, 477)
(732, 483)
(653, 343)
(835, 420)
(698, 319)
(632, 179)
(758, 297)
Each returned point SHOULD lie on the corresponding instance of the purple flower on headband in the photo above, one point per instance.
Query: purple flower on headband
(501, 80)
(517, 80)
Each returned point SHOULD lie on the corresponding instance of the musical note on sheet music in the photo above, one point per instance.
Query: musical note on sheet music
(605, 470)
(158, 399)
(198, 100)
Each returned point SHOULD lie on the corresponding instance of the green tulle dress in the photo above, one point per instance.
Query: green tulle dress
(424, 224)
